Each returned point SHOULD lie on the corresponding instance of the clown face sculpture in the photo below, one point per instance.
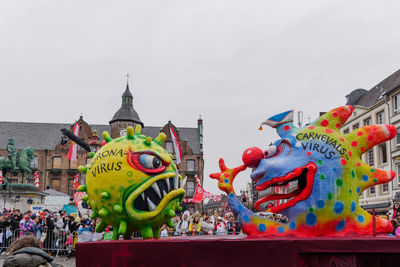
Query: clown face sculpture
(320, 175)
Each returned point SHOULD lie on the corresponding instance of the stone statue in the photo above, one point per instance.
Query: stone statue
(16, 162)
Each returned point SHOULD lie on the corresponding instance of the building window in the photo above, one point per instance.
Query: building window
(367, 122)
(356, 126)
(398, 138)
(169, 147)
(371, 157)
(380, 118)
(396, 103)
(346, 131)
(56, 184)
(57, 162)
(34, 163)
(73, 164)
(190, 188)
(372, 190)
(70, 187)
(398, 175)
(190, 165)
(385, 187)
(382, 153)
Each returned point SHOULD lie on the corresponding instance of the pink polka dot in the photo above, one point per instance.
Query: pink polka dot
(338, 125)
(286, 128)
(329, 131)
(358, 164)
(341, 139)
(311, 127)
(362, 148)
(324, 123)
(335, 114)
(350, 154)
(359, 133)
(308, 153)
(343, 161)
(354, 143)
(370, 138)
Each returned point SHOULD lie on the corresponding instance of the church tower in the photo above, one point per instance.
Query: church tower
(125, 116)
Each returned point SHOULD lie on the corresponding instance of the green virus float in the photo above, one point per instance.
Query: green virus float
(322, 175)
(133, 185)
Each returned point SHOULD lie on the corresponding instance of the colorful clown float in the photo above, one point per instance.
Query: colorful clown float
(324, 174)
(133, 185)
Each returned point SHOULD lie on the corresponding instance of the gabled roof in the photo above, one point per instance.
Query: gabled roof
(376, 93)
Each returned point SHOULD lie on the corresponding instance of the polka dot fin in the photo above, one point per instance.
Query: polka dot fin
(374, 176)
(335, 118)
(366, 137)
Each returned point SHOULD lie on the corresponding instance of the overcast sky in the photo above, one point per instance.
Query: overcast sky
(234, 62)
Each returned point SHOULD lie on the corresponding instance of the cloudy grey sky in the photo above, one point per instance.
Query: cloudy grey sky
(234, 62)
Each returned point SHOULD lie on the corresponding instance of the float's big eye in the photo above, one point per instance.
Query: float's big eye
(271, 150)
(150, 161)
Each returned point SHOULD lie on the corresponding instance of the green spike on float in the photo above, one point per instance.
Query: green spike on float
(105, 195)
(101, 227)
(148, 140)
(138, 129)
(179, 208)
(82, 188)
(130, 132)
(85, 198)
(103, 212)
(91, 154)
(171, 156)
(122, 227)
(160, 138)
(107, 137)
(171, 213)
(170, 224)
(82, 169)
(118, 208)
(93, 215)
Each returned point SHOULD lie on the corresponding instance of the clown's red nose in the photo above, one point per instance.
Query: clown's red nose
(251, 157)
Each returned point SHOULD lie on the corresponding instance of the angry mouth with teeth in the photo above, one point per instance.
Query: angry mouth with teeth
(133, 185)
(312, 177)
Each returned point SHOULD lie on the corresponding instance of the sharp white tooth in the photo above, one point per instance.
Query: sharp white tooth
(184, 182)
(164, 193)
(152, 206)
(168, 185)
(142, 195)
(176, 178)
(155, 187)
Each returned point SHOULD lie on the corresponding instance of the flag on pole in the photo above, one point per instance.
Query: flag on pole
(72, 149)
(177, 146)
(76, 182)
(36, 176)
(200, 194)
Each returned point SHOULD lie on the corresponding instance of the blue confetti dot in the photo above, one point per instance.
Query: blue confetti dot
(320, 204)
(365, 177)
(340, 226)
(240, 208)
(292, 225)
(246, 218)
(334, 169)
(358, 190)
(360, 218)
(311, 219)
(262, 227)
(353, 206)
(281, 229)
(226, 181)
(338, 208)
(231, 195)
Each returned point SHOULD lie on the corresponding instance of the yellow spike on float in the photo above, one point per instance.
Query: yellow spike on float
(103, 212)
(138, 129)
(100, 227)
(160, 138)
(91, 154)
(118, 208)
(130, 132)
(82, 169)
(82, 188)
(122, 227)
(171, 156)
(148, 140)
(93, 215)
(107, 137)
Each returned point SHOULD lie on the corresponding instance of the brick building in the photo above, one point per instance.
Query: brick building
(57, 172)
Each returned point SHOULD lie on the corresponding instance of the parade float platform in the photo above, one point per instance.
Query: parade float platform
(241, 251)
